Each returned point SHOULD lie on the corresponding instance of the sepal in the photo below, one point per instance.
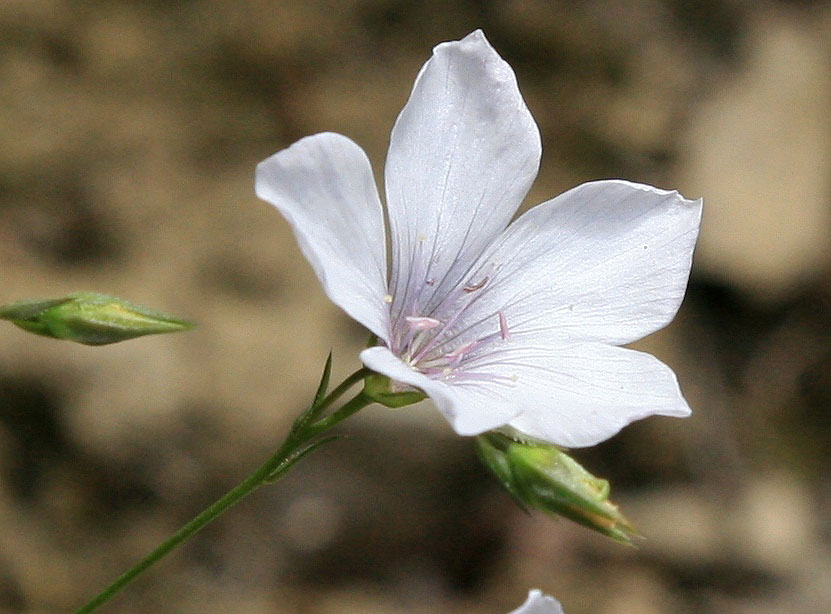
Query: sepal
(90, 318)
(543, 477)
(383, 390)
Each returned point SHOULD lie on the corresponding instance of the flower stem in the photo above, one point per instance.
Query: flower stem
(236, 494)
(275, 467)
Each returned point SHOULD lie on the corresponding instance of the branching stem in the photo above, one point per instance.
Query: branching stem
(308, 426)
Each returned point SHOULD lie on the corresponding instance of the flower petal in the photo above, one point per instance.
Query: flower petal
(323, 186)
(470, 410)
(575, 395)
(537, 603)
(463, 154)
(606, 261)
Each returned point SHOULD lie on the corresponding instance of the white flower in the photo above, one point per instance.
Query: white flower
(537, 603)
(499, 324)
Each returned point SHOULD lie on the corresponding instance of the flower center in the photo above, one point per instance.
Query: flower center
(439, 343)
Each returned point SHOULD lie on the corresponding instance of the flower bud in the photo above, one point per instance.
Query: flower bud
(385, 391)
(544, 477)
(492, 449)
(90, 318)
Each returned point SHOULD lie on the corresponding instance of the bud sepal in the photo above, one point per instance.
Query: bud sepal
(90, 318)
(542, 476)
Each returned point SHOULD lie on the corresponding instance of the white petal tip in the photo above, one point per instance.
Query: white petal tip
(677, 412)
(477, 35)
(474, 43)
(539, 603)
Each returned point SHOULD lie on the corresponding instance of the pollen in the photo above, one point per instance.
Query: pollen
(388, 298)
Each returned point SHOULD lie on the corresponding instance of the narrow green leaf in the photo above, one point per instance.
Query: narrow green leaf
(311, 414)
(324, 381)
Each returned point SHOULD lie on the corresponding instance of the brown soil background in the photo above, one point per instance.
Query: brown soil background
(129, 132)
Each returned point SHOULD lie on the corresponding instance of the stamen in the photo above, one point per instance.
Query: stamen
(388, 298)
(474, 287)
(422, 322)
(503, 326)
(456, 355)
(430, 343)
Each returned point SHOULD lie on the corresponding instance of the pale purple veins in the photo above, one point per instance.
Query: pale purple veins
(439, 348)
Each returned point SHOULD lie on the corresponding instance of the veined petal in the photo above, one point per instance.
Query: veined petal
(323, 186)
(463, 154)
(606, 261)
(469, 409)
(537, 603)
(575, 395)
(569, 395)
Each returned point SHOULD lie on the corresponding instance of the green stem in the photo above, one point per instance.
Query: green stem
(267, 473)
(247, 486)
(339, 391)
(350, 407)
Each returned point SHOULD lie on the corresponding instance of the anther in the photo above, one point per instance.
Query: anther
(422, 322)
(474, 287)
(503, 326)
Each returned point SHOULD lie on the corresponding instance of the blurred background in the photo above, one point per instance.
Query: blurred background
(129, 132)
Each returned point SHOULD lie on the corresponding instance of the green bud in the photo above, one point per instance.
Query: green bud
(544, 477)
(383, 390)
(90, 318)
(491, 449)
